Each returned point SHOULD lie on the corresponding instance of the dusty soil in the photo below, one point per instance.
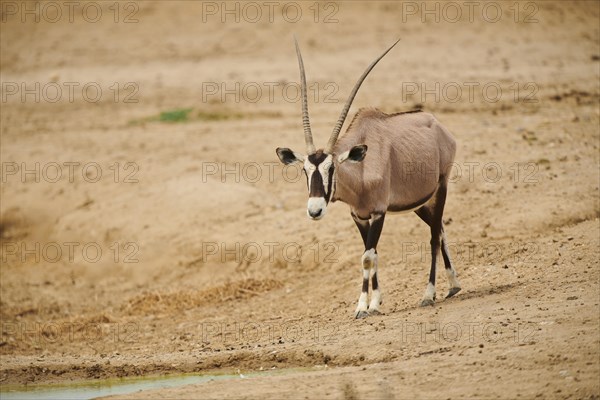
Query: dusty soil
(204, 266)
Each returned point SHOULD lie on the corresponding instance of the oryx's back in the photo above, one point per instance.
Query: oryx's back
(409, 153)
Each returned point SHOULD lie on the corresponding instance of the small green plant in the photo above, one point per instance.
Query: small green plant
(190, 115)
(179, 115)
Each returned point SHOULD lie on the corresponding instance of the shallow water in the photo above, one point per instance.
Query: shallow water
(107, 387)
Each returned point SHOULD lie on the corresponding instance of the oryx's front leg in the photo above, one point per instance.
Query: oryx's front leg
(370, 231)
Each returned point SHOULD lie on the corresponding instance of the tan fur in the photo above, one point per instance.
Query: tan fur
(409, 155)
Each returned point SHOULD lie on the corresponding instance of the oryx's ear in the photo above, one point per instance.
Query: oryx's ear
(355, 154)
(288, 156)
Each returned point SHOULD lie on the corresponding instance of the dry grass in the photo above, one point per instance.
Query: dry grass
(154, 302)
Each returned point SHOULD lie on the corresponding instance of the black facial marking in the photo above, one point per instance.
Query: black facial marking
(317, 158)
(316, 185)
(316, 188)
(330, 184)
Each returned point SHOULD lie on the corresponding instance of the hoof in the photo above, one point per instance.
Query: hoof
(427, 303)
(362, 314)
(453, 291)
(374, 312)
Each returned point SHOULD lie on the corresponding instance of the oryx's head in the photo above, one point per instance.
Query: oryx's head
(320, 165)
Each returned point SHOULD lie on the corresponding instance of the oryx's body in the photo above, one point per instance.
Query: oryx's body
(406, 169)
(409, 153)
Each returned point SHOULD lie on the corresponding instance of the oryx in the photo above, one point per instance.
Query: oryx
(407, 166)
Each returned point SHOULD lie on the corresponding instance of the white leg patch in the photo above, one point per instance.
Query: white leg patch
(366, 273)
(429, 296)
(445, 244)
(362, 303)
(429, 292)
(375, 300)
(452, 279)
(369, 259)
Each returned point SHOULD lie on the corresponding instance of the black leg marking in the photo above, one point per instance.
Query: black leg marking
(374, 281)
(363, 226)
(445, 256)
(435, 248)
(375, 232)
(365, 286)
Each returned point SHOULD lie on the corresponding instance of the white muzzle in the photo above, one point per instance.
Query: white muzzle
(316, 207)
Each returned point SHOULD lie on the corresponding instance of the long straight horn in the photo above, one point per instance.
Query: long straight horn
(338, 126)
(310, 147)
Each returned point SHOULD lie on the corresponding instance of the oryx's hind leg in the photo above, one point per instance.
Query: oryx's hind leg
(425, 214)
(370, 231)
(450, 271)
(432, 214)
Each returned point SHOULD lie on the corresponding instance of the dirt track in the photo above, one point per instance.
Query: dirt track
(179, 293)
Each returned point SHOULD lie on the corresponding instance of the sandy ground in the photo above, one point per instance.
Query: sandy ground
(136, 245)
